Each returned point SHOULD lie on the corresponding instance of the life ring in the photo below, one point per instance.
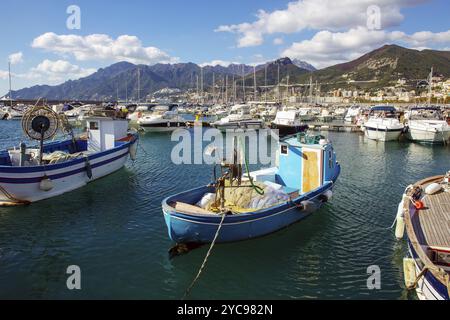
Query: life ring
(419, 204)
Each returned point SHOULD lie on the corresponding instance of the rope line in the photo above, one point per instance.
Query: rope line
(188, 290)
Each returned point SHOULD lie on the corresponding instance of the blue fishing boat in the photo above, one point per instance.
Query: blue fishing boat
(296, 187)
(29, 174)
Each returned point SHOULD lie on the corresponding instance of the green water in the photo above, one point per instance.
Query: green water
(114, 230)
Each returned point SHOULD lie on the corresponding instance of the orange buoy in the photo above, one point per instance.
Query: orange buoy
(419, 204)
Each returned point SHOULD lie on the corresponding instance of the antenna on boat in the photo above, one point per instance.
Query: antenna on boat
(40, 123)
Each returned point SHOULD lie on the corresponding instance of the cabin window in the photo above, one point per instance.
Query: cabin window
(93, 125)
(284, 149)
(330, 159)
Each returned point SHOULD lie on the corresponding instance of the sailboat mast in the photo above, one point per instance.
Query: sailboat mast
(287, 89)
(278, 84)
(265, 83)
(126, 89)
(197, 88)
(226, 89)
(234, 90)
(430, 82)
(139, 85)
(10, 90)
(310, 89)
(201, 83)
(254, 81)
(213, 89)
(243, 83)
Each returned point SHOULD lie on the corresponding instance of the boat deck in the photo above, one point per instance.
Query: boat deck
(434, 221)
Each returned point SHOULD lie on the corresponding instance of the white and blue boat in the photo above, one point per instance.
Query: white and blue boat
(30, 174)
(303, 178)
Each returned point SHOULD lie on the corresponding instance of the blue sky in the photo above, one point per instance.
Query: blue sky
(322, 32)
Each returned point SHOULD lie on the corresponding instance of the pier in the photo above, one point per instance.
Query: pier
(332, 126)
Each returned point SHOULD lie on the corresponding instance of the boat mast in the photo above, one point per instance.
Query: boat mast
(10, 91)
(265, 83)
(226, 89)
(317, 99)
(234, 91)
(310, 89)
(126, 89)
(243, 83)
(213, 89)
(287, 89)
(254, 81)
(201, 83)
(139, 85)
(197, 96)
(430, 82)
(278, 84)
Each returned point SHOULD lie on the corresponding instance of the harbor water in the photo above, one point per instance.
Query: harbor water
(114, 230)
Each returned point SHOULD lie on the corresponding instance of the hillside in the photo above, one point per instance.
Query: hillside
(383, 67)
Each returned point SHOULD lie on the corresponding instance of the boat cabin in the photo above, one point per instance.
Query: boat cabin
(383, 112)
(103, 132)
(304, 163)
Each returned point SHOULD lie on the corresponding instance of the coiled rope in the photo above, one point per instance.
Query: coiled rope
(188, 290)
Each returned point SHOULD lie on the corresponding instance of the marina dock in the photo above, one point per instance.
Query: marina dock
(331, 126)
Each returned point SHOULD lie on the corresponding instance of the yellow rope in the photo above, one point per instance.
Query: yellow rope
(205, 260)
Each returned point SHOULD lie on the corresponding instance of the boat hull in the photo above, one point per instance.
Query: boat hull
(162, 127)
(184, 228)
(428, 136)
(428, 287)
(254, 125)
(23, 183)
(382, 134)
(284, 130)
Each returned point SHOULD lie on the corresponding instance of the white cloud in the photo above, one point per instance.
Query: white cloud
(327, 48)
(3, 74)
(318, 15)
(278, 41)
(101, 47)
(16, 58)
(56, 71)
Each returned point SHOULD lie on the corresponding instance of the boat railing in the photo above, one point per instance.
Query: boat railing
(441, 274)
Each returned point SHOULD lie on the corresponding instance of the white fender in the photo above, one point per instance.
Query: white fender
(133, 151)
(433, 188)
(46, 184)
(400, 222)
(328, 194)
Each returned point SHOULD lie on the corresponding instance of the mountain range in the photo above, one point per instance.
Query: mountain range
(379, 68)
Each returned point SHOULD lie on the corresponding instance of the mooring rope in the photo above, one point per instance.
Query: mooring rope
(10, 197)
(188, 290)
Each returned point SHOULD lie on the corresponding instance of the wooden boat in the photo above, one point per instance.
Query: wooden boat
(32, 174)
(425, 212)
(306, 172)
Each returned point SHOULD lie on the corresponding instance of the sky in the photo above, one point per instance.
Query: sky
(51, 41)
